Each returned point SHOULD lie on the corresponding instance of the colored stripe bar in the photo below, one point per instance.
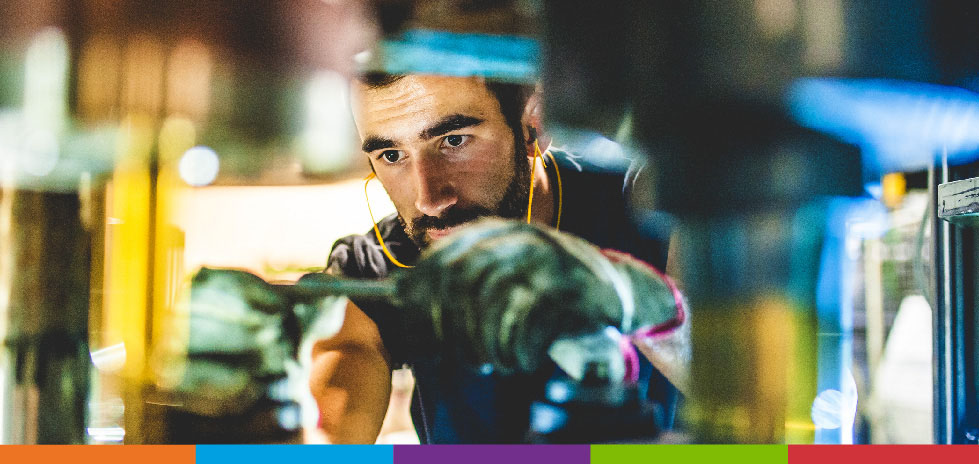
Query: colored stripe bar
(491, 454)
(272, 454)
(917, 454)
(98, 454)
(727, 454)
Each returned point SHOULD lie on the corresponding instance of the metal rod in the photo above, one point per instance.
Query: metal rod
(320, 285)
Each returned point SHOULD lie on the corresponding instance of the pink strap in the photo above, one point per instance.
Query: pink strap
(631, 360)
(629, 353)
(681, 314)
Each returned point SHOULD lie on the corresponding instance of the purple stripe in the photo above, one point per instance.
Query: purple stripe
(491, 454)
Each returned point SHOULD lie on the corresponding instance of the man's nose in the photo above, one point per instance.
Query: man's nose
(436, 191)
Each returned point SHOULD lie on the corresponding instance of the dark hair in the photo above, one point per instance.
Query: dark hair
(376, 80)
(512, 97)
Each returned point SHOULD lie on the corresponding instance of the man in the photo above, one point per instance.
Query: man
(448, 151)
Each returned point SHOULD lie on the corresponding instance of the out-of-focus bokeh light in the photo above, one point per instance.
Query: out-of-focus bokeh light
(834, 409)
(591, 148)
(901, 126)
(893, 188)
(280, 232)
(189, 80)
(99, 65)
(27, 148)
(142, 86)
(199, 166)
(776, 18)
(45, 80)
(110, 359)
(328, 140)
(824, 33)
(40, 152)
(106, 434)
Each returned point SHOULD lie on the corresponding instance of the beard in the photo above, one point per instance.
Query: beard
(513, 205)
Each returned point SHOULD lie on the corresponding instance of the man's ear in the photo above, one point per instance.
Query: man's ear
(531, 123)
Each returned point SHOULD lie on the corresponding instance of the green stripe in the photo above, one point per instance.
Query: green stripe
(727, 454)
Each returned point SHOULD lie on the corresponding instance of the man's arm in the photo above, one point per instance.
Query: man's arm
(351, 380)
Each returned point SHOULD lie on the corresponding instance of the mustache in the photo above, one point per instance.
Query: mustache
(452, 217)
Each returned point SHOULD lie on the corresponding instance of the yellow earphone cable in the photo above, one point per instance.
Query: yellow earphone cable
(377, 231)
(560, 191)
(533, 171)
(560, 188)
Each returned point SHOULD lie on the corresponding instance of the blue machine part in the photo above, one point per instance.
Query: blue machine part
(899, 125)
(499, 57)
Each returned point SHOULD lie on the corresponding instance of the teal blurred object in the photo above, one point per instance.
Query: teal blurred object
(506, 58)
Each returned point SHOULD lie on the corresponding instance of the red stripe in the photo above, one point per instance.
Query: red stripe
(890, 454)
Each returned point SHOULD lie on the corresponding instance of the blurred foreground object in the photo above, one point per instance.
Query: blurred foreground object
(43, 318)
(502, 293)
(237, 333)
(45, 234)
(229, 380)
(764, 122)
(107, 111)
(510, 299)
(497, 296)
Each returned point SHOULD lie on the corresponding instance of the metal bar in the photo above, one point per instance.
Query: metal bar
(939, 305)
(958, 281)
(320, 285)
(968, 423)
(943, 318)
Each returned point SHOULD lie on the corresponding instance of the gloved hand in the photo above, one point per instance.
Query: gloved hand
(501, 292)
(240, 334)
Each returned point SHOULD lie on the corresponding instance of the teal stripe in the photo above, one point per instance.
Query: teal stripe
(289, 454)
(727, 454)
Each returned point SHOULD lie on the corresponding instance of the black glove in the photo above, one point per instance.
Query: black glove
(501, 292)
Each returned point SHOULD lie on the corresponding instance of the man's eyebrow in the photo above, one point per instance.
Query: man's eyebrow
(373, 142)
(449, 124)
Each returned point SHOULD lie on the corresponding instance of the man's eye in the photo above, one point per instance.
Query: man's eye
(391, 156)
(455, 140)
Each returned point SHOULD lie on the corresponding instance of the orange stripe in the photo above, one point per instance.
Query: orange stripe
(100, 454)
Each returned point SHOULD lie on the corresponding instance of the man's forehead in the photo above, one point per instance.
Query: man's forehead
(416, 100)
(426, 83)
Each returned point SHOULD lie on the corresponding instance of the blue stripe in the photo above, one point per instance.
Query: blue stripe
(272, 454)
